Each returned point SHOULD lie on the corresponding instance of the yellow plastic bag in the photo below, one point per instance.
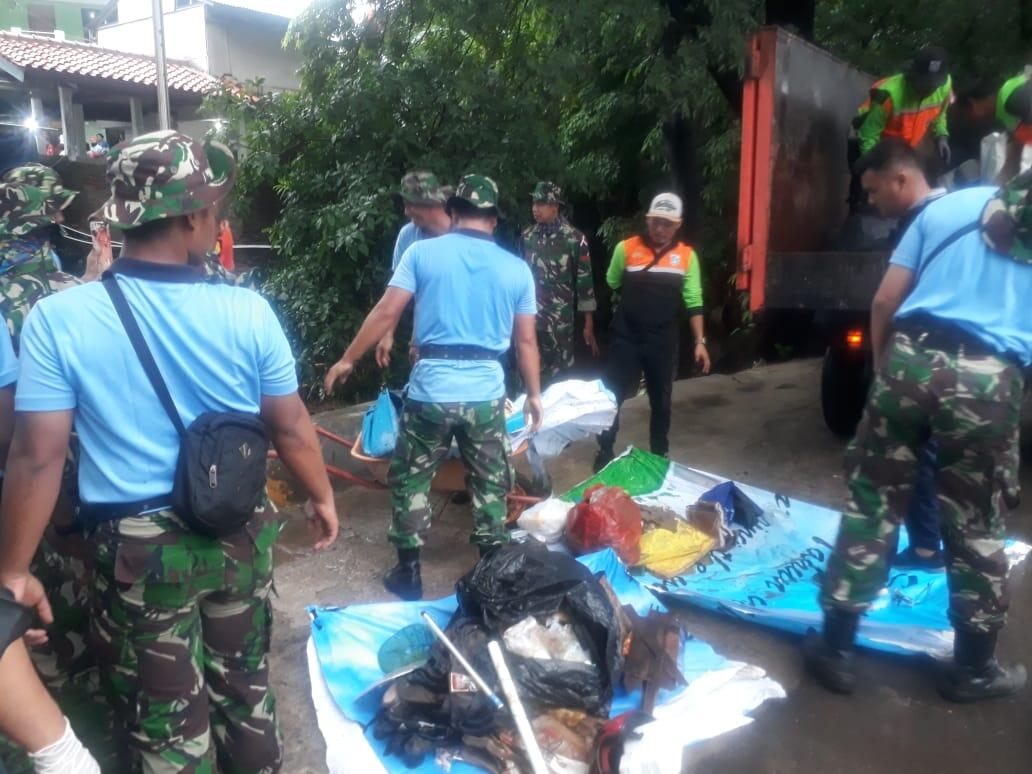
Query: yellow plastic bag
(667, 553)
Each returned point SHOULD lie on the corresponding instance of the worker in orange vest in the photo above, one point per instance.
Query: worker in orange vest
(906, 105)
(656, 275)
(909, 104)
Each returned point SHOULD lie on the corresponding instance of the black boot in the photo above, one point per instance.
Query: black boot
(604, 457)
(405, 580)
(829, 656)
(976, 674)
(486, 549)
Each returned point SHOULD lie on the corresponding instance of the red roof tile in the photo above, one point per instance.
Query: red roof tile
(84, 59)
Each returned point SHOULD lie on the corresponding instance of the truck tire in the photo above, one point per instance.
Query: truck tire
(845, 379)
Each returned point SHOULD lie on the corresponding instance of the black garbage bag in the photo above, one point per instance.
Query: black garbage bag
(435, 707)
(520, 580)
(430, 708)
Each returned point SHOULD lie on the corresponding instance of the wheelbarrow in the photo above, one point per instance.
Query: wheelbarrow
(449, 479)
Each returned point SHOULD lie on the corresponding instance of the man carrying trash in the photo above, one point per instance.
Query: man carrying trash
(555, 252)
(909, 105)
(470, 297)
(656, 275)
(951, 330)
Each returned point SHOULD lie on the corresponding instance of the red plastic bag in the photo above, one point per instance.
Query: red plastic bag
(606, 517)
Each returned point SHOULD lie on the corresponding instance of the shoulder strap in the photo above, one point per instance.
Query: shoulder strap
(132, 328)
(960, 232)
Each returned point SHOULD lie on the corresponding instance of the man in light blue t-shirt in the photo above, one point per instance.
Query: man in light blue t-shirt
(951, 330)
(424, 199)
(180, 619)
(471, 295)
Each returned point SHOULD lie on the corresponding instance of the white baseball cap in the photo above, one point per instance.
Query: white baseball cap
(667, 206)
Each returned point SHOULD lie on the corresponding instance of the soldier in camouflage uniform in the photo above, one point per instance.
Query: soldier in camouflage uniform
(32, 200)
(180, 622)
(470, 297)
(558, 256)
(951, 330)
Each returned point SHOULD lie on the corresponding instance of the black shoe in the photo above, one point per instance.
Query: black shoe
(976, 674)
(603, 458)
(486, 549)
(405, 580)
(829, 656)
(831, 668)
(910, 559)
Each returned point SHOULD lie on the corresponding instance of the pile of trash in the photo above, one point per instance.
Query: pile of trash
(657, 539)
(562, 645)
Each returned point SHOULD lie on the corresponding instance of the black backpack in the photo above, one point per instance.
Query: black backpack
(220, 474)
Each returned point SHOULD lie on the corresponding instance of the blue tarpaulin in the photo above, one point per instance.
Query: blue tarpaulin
(348, 643)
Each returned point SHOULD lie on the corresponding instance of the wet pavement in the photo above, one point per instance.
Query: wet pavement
(762, 427)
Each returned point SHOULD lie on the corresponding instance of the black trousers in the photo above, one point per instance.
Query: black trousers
(632, 352)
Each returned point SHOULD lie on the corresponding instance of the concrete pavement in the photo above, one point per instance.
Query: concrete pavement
(762, 427)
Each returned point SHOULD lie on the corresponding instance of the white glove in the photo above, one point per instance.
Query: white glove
(65, 756)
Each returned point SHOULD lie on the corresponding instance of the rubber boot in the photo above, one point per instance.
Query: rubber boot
(829, 656)
(405, 580)
(976, 674)
(604, 457)
(486, 549)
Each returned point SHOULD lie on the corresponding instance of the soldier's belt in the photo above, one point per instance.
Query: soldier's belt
(456, 352)
(92, 515)
(935, 333)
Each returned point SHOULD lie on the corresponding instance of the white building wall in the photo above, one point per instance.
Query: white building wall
(185, 38)
(134, 10)
(248, 52)
(245, 51)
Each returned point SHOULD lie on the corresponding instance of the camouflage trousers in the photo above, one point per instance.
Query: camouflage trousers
(427, 431)
(555, 343)
(970, 406)
(66, 664)
(181, 625)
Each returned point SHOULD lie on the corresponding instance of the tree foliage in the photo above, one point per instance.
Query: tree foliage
(614, 99)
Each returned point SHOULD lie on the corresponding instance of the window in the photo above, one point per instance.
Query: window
(41, 18)
(89, 24)
(186, 3)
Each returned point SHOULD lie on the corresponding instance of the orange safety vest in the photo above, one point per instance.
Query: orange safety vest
(652, 283)
(908, 120)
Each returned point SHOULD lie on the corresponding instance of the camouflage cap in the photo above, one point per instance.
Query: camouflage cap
(547, 192)
(423, 188)
(478, 190)
(30, 196)
(1007, 219)
(165, 174)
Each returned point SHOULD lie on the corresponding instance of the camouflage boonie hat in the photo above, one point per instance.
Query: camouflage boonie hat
(547, 192)
(423, 188)
(1007, 219)
(478, 190)
(162, 175)
(30, 196)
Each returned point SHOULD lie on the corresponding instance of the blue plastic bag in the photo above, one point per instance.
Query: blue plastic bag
(380, 425)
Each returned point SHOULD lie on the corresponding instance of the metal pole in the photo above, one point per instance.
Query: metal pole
(164, 119)
(519, 714)
(481, 684)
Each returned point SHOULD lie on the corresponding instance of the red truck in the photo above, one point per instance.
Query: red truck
(798, 104)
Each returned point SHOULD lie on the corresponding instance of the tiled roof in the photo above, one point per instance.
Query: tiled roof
(34, 53)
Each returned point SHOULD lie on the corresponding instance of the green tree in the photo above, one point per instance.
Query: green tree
(615, 99)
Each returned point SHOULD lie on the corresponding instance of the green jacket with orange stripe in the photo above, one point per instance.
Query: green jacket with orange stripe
(892, 110)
